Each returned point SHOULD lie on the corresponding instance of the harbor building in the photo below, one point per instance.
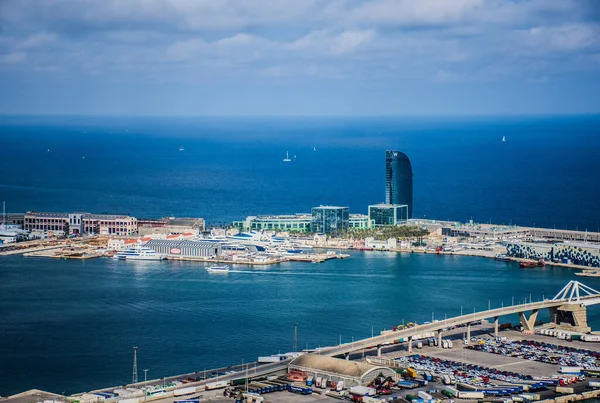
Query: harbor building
(170, 225)
(359, 221)
(328, 219)
(184, 248)
(296, 222)
(398, 180)
(336, 370)
(388, 214)
(80, 223)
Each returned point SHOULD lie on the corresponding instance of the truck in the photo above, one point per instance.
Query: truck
(301, 390)
(424, 395)
(531, 396)
(407, 384)
(411, 372)
(565, 390)
(130, 400)
(216, 385)
(470, 395)
(446, 380)
(309, 381)
(570, 370)
(324, 382)
(184, 391)
(318, 382)
(363, 391)
(445, 343)
(340, 386)
(591, 338)
(594, 384)
(450, 344)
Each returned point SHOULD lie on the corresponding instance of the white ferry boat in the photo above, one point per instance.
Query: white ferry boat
(139, 253)
(218, 269)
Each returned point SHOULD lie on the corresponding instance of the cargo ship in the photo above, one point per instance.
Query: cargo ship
(533, 263)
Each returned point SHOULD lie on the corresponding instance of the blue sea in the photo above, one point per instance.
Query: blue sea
(71, 325)
(545, 173)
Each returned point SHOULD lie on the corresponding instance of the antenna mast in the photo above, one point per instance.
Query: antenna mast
(295, 337)
(135, 371)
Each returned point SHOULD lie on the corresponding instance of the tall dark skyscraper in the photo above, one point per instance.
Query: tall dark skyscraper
(398, 180)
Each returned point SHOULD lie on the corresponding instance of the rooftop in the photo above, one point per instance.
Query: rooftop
(333, 365)
(330, 207)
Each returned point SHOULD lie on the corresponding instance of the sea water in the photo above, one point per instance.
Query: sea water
(70, 325)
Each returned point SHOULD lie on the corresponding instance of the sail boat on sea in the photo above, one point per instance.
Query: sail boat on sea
(287, 157)
(503, 138)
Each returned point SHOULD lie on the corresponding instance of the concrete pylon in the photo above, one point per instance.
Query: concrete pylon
(410, 343)
(347, 356)
(496, 326)
(528, 324)
(379, 351)
(571, 317)
(439, 338)
(469, 333)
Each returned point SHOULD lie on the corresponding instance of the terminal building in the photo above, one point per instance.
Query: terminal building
(328, 219)
(184, 248)
(80, 223)
(398, 180)
(388, 214)
(335, 369)
(295, 222)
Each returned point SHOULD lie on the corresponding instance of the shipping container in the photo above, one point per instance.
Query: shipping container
(130, 400)
(300, 390)
(470, 395)
(318, 382)
(594, 384)
(362, 391)
(564, 390)
(570, 370)
(216, 385)
(591, 338)
(340, 386)
(184, 391)
(424, 395)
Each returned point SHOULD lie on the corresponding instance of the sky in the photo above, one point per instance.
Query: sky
(299, 57)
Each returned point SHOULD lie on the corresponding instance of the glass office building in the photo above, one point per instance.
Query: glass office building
(398, 180)
(388, 214)
(328, 219)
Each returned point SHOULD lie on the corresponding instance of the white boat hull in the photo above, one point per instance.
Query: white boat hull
(151, 258)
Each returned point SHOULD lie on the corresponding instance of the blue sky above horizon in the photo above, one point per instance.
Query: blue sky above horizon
(311, 57)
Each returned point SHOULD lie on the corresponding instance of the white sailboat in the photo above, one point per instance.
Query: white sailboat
(287, 157)
(503, 138)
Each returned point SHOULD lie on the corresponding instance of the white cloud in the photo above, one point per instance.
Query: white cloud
(14, 57)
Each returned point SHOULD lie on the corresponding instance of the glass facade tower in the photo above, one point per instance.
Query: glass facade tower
(398, 180)
(328, 219)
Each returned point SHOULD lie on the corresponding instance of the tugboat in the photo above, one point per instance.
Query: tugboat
(502, 258)
(534, 263)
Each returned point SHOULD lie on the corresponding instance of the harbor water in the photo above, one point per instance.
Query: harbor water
(70, 325)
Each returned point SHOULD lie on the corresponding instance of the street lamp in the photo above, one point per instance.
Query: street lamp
(145, 389)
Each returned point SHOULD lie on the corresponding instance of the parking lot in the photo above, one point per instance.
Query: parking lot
(540, 351)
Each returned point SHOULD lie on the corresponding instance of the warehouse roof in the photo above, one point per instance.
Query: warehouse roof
(333, 365)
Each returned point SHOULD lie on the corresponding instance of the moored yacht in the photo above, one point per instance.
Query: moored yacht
(139, 252)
